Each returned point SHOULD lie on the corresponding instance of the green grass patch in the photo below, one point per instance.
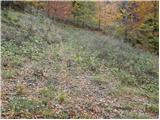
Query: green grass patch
(48, 113)
(102, 78)
(19, 104)
(131, 115)
(48, 93)
(7, 74)
(152, 108)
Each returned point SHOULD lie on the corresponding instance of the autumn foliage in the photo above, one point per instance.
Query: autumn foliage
(136, 22)
(58, 9)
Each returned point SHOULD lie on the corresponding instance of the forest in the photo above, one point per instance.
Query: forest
(80, 59)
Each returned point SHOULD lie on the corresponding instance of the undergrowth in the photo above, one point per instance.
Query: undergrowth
(27, 38)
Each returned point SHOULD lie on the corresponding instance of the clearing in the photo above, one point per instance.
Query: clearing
(53, 70)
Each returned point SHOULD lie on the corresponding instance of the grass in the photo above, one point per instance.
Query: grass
(152, 108)
(7, 74)
(48, 93)
(51, 49)
(102, 78)
(22, 107)
(48, 113)
(17, 104)
(137, 116)
(127, 90)
(62, 97)
(51, 93)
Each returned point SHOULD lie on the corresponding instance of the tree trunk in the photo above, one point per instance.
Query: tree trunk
(48, 8)
(155, 15)
(99, 23)
(83, 21)
(126, 35)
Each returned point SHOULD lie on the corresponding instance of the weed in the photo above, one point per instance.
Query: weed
(48, 113)
(61, 97)
(152, 108)
(19, 104)
(21, 89)
(102, 78)
(17, 61)
(87, 61)
(108, 109)
(26, 38)
(11, 17)
(125, 90)
(131, 115)
(7, 74)
(128, 106)
(48, 93)
(63, 115)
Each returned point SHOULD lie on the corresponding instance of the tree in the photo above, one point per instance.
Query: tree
(83, 11)
(141, 23)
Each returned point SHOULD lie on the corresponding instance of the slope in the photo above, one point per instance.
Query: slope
(53, 70)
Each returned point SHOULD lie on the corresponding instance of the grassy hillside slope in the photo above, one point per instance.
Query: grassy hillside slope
(53, 70)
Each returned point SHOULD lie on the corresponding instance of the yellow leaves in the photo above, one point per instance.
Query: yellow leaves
(35, 3)
(107, 13)
(143, 11)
